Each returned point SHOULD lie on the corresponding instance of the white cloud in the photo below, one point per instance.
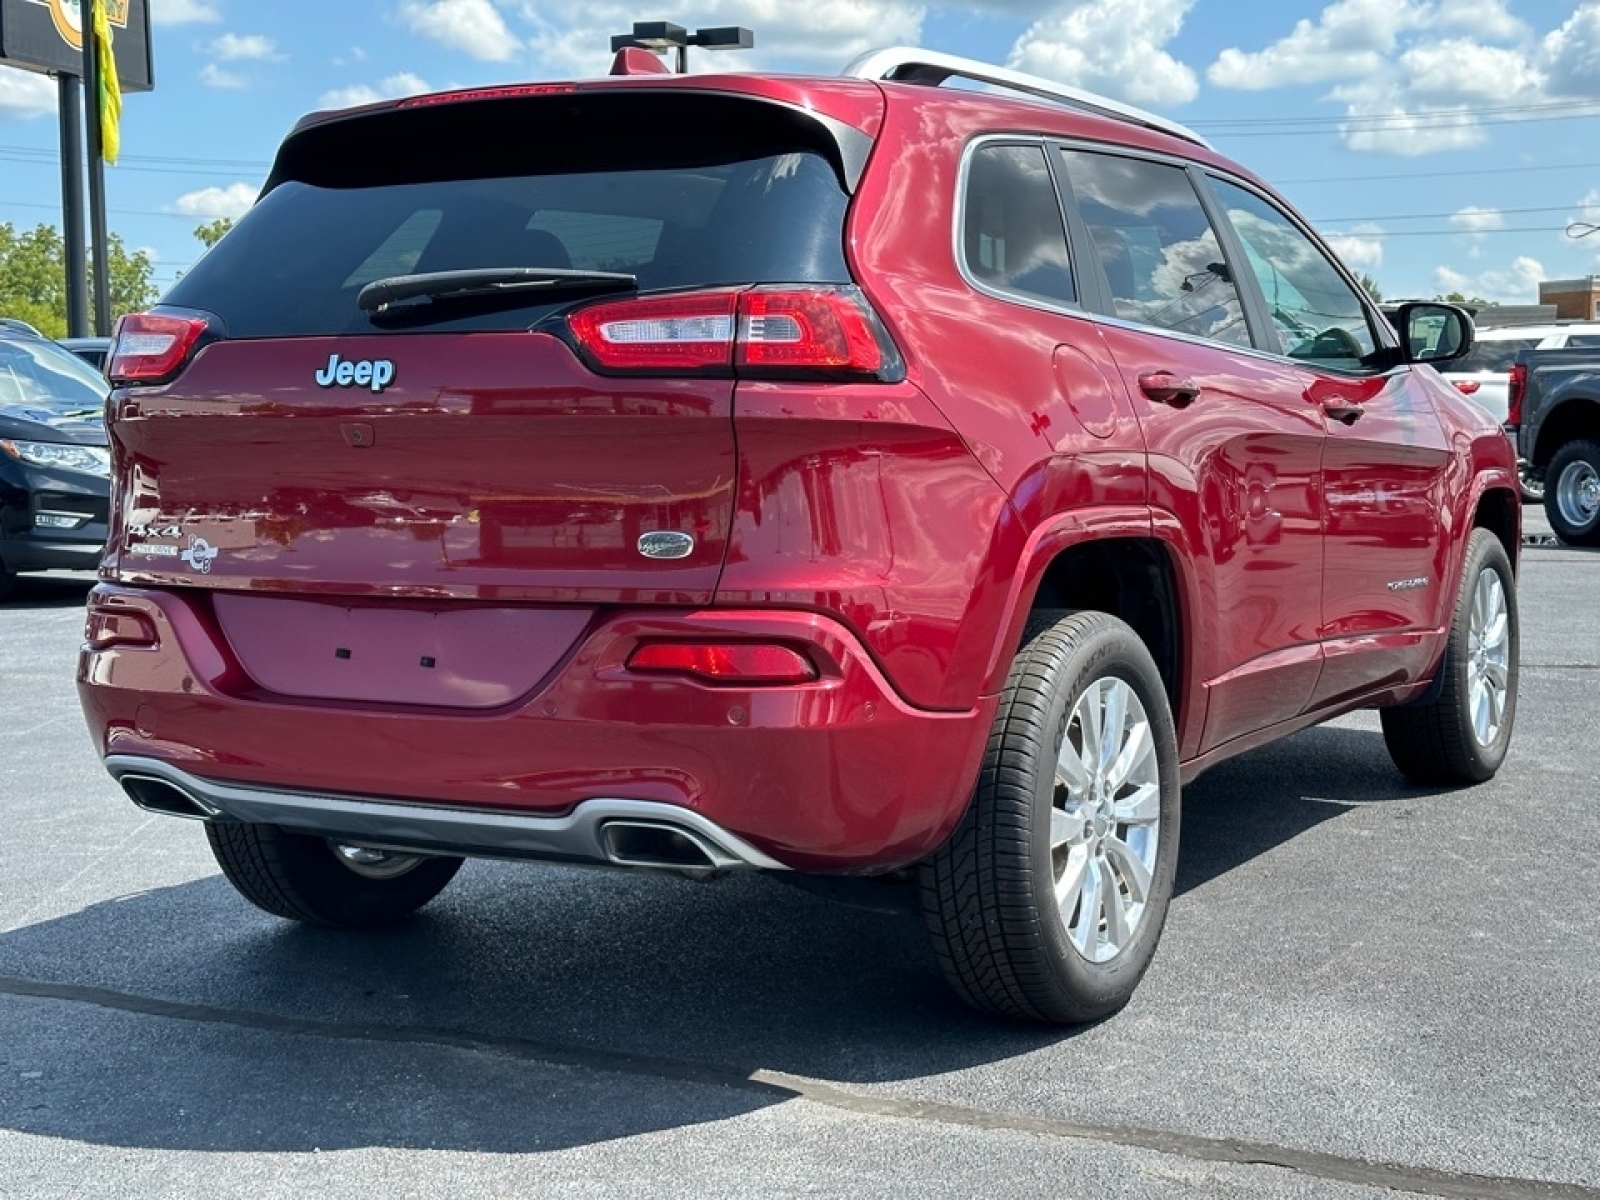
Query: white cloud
(1473, 219)
(1349, 40)
(1115, 47)
(1462, 71)
(183, 12)
(214, 76)
(1516, 284)
(474, 27)
(212, 202)
(236, 47)
(1482, 18)
(395, 86)
(24, 94)
(1570, 55)
(1361, 249)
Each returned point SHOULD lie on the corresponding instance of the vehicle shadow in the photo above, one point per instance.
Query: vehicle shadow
(53, 591)
(462, 1028)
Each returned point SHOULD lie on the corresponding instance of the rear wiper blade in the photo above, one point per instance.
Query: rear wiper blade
(489, 281)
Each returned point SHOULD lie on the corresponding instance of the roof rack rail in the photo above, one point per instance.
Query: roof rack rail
(912, 64)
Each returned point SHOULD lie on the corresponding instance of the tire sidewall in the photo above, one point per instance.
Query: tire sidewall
(1111, 651)
(1485, 553)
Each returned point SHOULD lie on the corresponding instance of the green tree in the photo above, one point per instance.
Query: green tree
(33, 277)
(211, 232)
(1373, 290)
(1458, 298)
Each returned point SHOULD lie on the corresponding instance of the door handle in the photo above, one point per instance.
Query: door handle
(1166, 388)
(1342, 411)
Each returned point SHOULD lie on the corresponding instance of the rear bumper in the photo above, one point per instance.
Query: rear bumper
(836, 775)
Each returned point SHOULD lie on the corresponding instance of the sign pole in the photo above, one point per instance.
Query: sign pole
(71, 120)
(97, 176)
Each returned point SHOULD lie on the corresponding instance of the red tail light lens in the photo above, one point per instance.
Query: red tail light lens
(827, 331)
(1466, 387)
(762, 333)
(151, 347)
(666, 333)
(1515, 389)
(727, 664)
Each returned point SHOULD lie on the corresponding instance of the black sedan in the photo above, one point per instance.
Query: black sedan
(54, 463)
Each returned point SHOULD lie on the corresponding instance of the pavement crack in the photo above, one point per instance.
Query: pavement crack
(780, 1085)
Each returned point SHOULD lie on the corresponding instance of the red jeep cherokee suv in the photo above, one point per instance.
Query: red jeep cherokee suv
(833, 475)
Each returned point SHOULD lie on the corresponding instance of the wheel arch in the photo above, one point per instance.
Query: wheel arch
(1574, 418)
(1120, 563)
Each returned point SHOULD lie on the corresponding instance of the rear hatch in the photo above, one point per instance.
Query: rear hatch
(448, 440)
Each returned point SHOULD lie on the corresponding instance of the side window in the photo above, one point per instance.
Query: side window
(1013, 236)
(1584, 341)
(1316, 315)
(1160, 255)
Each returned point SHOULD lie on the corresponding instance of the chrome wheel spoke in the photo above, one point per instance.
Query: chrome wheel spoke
(1069, 887)
(1066, 830)
(1140, 807)
(1135, 748)
(1086, 926)
(1118, 927)
(1072, 771)
(1133, 871)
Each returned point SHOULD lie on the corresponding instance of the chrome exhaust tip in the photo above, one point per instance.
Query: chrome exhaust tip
(662, 847)
(165, 797)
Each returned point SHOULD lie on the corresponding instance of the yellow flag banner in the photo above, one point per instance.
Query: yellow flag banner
(110, 88)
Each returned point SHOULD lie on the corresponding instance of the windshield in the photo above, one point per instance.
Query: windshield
(36, 375)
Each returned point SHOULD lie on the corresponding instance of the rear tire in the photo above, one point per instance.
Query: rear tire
(1462, 735)
(1572, 493)
(1048, 900)
(317, 882)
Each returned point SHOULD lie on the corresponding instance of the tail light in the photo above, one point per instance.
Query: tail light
(762, 333)
(1467, 387)
(151, 347)
(1516, 387)
(726, 664)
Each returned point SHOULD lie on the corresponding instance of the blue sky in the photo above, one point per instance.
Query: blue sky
(1442, 145)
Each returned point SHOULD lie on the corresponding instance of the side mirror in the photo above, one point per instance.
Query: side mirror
(1433, 333)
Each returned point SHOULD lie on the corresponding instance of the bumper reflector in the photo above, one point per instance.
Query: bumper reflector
(725, 664)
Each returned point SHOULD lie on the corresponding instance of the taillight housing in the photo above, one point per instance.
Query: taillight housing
(1516, 388)
(1467, 387)
(152, 347)
(772, 332)
(725, 664)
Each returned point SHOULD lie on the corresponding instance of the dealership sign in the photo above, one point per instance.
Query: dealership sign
(47, 36)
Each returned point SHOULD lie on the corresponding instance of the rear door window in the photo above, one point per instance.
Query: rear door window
(1162, 261)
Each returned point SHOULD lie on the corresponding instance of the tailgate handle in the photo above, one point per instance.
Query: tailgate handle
(1166, 388)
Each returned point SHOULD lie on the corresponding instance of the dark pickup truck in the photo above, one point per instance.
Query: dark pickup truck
(1553, 416)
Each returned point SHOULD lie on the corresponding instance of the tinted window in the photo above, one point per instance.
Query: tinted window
(1496, 355)
(296, 262)
(1584, 341)
(1161, 258)
(1316, 315)
(36, 374)
(1013, 234)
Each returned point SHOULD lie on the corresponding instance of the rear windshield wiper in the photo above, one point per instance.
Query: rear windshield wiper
(489, 281)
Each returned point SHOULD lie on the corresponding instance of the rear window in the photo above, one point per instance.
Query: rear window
(716, 210)
(1496, 355)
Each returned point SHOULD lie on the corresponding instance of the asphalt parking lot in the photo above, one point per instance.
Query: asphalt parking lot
(1364, 989)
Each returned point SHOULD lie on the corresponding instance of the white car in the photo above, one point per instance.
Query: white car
(1484, 375)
